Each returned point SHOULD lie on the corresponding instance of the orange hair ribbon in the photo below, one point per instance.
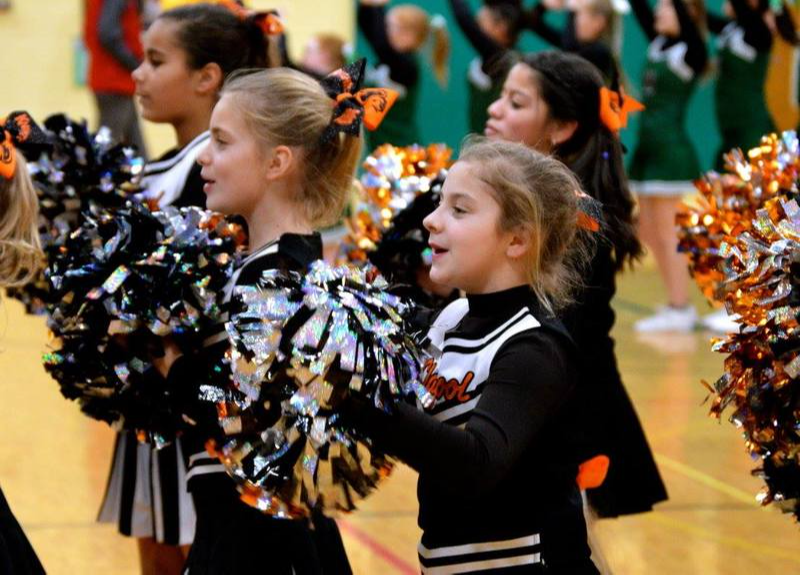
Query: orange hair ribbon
(269, 21)
(352, 105)
(615, 107)
(17, 129)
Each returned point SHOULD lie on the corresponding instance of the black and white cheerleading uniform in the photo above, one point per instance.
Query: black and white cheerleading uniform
(496, 490)
(146, 494)
(233, 537)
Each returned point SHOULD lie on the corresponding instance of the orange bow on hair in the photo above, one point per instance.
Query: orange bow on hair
(269, 21)
(18, 129)
(615, 107)
(590, 212)
(353, 106)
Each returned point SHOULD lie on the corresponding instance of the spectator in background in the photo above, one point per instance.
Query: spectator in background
(112, 30)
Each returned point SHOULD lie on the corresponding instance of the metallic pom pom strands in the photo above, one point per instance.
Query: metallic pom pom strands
(743, 241)
(122, 280)
(79, 172)
(393, 178)
(301, 345)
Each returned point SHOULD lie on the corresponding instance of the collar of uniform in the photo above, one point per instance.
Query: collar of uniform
(302, 248)
(497, 303)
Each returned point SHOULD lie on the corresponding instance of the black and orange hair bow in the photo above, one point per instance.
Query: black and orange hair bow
(590, 212)
(18, 131)
(615, 107)
(353, 105)
(269, 21)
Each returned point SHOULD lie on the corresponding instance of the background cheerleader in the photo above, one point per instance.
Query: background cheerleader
(188, 53)
(396, 36)
(664, 161)
(493, 33)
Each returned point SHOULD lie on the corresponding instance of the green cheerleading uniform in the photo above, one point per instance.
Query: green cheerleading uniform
(742, 112)
(482, 91)
(665, 162)
(399, 127)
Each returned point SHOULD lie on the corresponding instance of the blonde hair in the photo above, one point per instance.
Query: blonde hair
(20, 248)
(539, 194)
(286, 107)
(416, 19)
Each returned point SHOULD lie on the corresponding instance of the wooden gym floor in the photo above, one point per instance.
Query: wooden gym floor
(53, 460)
(53, 464)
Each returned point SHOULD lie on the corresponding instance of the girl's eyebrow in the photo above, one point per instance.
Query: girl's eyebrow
(218, 131)
(154, 52)
(459, 196)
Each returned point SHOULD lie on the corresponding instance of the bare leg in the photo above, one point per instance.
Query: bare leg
(159, 559)
(674, 269)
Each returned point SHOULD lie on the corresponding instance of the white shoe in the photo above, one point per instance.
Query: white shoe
(720, 322)
(668, 318)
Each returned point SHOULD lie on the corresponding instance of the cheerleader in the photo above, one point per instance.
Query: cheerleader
(188, 53)
(20, 258)
(593, 31)
(664, 162)
(493, 33)
(497, 490)
(396, 36)
(744, 40)
(282, 160)
(551, 101)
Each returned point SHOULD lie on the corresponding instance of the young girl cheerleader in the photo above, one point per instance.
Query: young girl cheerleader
(551, 101)
(745, 41)
(592, 31)
(282, 155)
(497, 470)
(188, 53)
(20, 258)
(664, 162)
(493, 33)
(397, 36)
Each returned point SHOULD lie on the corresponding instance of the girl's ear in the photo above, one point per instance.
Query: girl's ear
(209, 79)
(281, 162)
(562, 131)
(520, 243)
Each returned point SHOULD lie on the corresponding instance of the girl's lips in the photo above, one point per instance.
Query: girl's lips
(208, 185)
(437, 251)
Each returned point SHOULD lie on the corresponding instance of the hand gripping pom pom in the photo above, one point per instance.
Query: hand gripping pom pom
(78, 172)
(121, 282)
(301, 346)
(743, 240)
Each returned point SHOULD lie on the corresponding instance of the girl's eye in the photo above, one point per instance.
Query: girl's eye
(458, 210)
(515, 105)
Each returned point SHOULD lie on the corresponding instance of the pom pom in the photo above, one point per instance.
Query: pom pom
(394, 178)
(301, 346)
(743, 240)
(79, 172)
(120, 282)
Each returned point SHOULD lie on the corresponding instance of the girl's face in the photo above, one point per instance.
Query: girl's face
(467, 243)
(590, 24)
(521, 115)
(666, 19)
(493, 26)
(231, 162)
(402, 35)
(164, 80)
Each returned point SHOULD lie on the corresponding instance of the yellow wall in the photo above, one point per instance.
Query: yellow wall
(36, 71)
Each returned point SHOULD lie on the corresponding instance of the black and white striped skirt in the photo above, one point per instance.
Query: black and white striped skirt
(146, 493)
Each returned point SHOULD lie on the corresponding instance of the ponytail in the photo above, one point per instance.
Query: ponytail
(20, 247)
(440, 54)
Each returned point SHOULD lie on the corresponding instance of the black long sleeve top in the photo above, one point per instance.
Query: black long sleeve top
(756, 32)
(696, 52)
(490, 51)
(403, 68)
(494, 453)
